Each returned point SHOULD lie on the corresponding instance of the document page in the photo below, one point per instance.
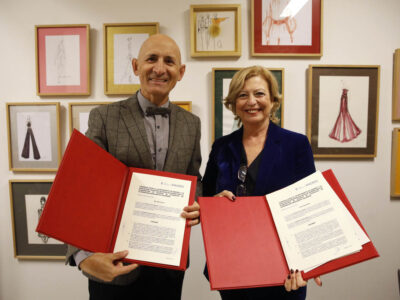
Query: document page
(151, 226)
(313, 224)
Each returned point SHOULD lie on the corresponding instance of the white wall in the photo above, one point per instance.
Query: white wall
(357, 32)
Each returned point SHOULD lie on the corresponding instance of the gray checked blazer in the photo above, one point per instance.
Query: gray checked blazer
(119, 129)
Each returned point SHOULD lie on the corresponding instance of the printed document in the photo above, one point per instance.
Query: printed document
(151, 226)
(313, 224)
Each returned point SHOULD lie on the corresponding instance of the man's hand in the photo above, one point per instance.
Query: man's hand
(294, 281)
(106, 266)
(192, 213)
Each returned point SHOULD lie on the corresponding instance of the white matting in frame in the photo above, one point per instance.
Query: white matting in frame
(33, 136)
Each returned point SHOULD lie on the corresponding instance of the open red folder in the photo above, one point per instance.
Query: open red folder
(87, 199)
(243, 248)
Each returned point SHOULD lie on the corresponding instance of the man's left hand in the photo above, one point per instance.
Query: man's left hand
(192, 212)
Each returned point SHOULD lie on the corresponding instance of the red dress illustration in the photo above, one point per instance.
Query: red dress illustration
(344, 130)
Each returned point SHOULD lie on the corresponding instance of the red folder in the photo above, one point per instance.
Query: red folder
(242, 245)
(87, 198)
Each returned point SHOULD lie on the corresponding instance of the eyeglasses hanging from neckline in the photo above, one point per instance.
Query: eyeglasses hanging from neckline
(241, 188)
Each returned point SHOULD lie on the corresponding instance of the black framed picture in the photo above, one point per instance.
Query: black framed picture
(28, 198)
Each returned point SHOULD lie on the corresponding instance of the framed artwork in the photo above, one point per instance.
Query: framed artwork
(286, 28)
(27, 200)
(215, 30)
(396, 86)
(395, 168)
(79, 115)
(184, 104)
(33, 136)
(62, 60)
(223, 119)
(342, 111)
(122, 42)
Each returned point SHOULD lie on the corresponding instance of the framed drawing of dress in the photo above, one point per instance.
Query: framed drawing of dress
(342, 110)
(33, 136)
(62, 60)
(27, 199)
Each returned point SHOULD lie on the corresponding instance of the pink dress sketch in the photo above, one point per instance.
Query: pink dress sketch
(344, 130)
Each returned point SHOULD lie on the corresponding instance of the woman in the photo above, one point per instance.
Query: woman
(257, 159)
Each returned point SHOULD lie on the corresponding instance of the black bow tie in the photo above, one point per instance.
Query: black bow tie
(163, 111)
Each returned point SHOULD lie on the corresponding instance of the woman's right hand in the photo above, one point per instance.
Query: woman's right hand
(227, 194)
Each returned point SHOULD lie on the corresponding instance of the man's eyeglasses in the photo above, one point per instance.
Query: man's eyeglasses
(241, 188)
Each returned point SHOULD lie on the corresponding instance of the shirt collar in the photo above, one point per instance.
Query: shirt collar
(144, 103)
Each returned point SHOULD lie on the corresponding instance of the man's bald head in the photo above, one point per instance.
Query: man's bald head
(159, 67)
(157, 41)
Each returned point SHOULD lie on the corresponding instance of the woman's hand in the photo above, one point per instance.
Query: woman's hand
(227, 194)
(295, 281)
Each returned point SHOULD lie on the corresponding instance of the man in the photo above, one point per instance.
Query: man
(133, 132)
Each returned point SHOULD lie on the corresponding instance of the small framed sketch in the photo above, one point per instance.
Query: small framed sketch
(396, 86)
(215, 30)
(79, 115)
(28, 198)
(395, 168)
(33, 136)
(184, 104)
(223, 119)
(62, 60)
(286, 28)
(122, 42)
(342, 111)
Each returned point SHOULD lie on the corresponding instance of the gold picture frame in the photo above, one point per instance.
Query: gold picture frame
(27, 199)
(342, 110)
(33, 136)
(187, 105)
(122, 42)
(215, 30)
(78, 112)
(395, 165)
(396, 86)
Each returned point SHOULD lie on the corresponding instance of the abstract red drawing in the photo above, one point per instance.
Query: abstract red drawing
(275, 24)
(344, 130)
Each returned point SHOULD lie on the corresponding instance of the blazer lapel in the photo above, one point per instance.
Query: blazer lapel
(270, 151)
(173, 134)
(235, 147)
(133, 118)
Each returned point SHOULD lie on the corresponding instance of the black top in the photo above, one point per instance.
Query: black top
(252, 171)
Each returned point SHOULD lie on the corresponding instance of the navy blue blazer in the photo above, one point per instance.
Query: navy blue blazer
(285, 159)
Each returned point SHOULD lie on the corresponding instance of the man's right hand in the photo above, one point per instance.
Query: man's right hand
(106, 266)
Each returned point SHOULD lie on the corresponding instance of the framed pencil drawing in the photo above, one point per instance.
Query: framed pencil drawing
(395, 168)
(215, 30)
(184, 104)
(33, 136)
(342, 110)
(396, 86)
(286, 28)
(223, 119)
(62, 60)
(79, 115)
(27, 200)
(122, 42)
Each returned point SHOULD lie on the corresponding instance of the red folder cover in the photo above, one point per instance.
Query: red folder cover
(242, 245)
(87, 198)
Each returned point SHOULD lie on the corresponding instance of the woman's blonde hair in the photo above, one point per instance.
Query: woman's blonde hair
(237, 85)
